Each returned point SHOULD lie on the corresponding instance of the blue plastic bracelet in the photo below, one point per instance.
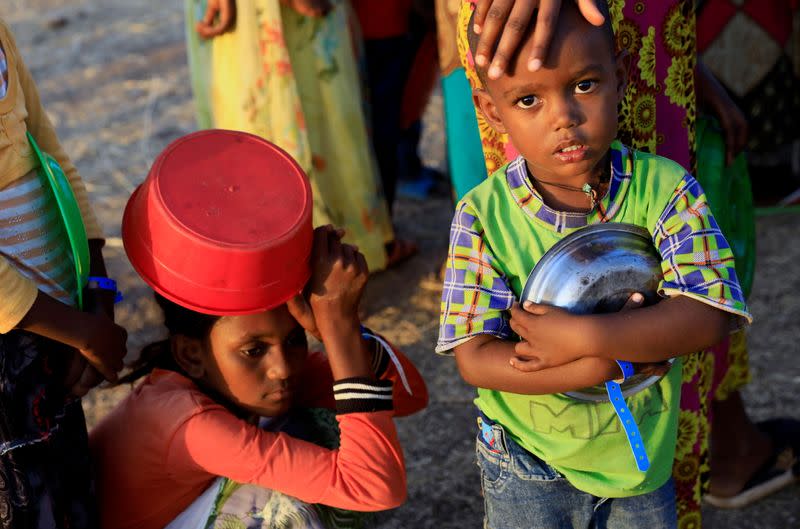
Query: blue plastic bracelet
(626, 417)
(104, 283)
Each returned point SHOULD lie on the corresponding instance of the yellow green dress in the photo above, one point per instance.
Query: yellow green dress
(294, 81)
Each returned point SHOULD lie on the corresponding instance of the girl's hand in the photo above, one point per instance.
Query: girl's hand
(502, 24)
(339, 275)
(220, 17)
(299, 306)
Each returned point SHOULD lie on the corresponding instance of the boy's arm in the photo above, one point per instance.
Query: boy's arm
(485, 362)
(699, 281)
(674, 327)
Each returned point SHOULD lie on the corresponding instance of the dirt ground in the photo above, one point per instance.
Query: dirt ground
(114, 79)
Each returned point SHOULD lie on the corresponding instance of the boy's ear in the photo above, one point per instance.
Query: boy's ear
(484, 102)
(189, 354)
(623, 67)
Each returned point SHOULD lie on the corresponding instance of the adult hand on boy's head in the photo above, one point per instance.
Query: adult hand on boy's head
(502, 24)
(220, 16)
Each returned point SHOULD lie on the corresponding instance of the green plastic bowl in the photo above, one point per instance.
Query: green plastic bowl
(50, 171)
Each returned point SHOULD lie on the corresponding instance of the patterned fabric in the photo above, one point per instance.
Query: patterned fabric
(45, 472)
(295, 82)
(658, 112)
(696, 259)
(3, 73)
(486, 269)
(765, 69)
(33, 240)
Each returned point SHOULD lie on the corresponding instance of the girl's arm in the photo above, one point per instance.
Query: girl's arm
(318, 376)
(366, 473)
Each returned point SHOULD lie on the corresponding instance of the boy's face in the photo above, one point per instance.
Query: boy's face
(563, 117)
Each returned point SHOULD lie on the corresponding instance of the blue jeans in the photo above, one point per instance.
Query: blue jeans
(522, 491)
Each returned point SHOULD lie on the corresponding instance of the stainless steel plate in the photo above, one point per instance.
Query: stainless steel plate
(595, 270)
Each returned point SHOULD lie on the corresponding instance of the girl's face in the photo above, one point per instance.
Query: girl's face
(254, 360)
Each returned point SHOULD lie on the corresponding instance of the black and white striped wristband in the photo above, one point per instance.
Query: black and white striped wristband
(359, 394)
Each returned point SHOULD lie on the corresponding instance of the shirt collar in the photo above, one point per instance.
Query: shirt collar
(531, 202)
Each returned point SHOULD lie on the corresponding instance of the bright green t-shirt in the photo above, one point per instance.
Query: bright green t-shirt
(500, 231)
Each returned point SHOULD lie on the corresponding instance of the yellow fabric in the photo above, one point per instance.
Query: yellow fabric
(22, 111)
(294, 81)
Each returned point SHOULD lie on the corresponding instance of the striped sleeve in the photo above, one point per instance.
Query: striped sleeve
(354, 395)
(475, 295)
(42, 129)
(696, 259)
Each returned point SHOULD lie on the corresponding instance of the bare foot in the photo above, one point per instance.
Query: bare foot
(731, 472)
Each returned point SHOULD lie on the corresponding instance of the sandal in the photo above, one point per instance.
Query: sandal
(400, 250)
(781, 469)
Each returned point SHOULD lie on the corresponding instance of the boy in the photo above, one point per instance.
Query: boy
(547, 460)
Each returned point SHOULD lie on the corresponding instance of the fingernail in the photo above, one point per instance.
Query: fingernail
(476, 29)
(637, 298)
(495, 71)
(527, 304)
(534, 64)
(480, 60)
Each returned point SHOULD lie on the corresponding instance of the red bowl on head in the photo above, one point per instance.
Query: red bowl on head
(222, 224)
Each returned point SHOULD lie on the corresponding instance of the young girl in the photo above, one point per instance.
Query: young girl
(45, 340)
(238, 397)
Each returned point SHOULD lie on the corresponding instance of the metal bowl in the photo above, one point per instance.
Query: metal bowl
(595, 270)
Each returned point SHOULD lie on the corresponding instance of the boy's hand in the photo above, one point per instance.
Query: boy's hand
(502, 24)
(220, 16)
(551, 336)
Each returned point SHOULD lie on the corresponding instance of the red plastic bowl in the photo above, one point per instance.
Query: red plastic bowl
(222, 224)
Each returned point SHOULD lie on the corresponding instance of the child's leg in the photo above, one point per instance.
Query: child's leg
(521, 490)
(656, 510)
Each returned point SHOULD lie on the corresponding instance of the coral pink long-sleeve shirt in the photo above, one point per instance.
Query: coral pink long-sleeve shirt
(162, 446)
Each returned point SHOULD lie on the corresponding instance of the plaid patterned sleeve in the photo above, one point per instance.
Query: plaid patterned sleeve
(697, 261)
(475, 294)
